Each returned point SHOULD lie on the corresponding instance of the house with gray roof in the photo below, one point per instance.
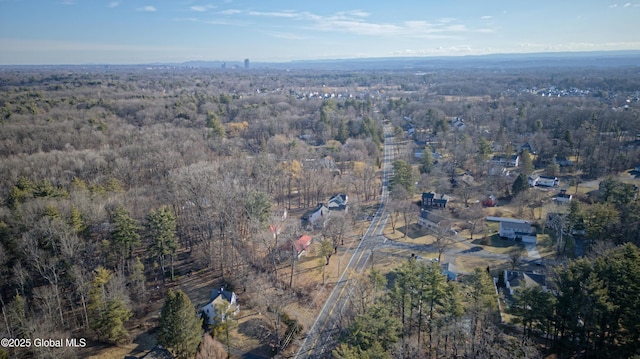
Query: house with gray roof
(516, 229)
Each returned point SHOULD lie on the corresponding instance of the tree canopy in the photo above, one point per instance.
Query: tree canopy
(180, 326)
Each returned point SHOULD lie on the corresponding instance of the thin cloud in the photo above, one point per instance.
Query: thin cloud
(356, 22)
(286, 35)
(486, 17)
(209, 21)
(148, 8)
(287, 14)
(627, 4)
(442, 50)
(114, 4)
(351, 14)
(230, 12)
(202, 8)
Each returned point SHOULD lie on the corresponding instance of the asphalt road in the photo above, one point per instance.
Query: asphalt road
(321, 337)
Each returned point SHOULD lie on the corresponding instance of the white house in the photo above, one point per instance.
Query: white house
(563, 197)
(544, 181)
(221, 299)
(317, 216)
(338, 202)
(430, 220)
(517, 229)
(511, 161)
(514, 161)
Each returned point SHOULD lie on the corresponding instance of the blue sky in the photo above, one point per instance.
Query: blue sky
(145, 31)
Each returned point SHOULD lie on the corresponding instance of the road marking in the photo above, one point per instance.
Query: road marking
(337, 299)
(388, 156)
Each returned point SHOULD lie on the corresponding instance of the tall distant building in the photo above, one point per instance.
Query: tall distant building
(246, 63)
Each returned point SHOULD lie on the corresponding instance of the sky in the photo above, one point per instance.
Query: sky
(156, 31)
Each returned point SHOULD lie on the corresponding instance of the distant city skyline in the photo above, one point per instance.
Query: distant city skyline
(42, 32)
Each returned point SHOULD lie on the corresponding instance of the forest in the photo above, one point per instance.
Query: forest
(121, 186)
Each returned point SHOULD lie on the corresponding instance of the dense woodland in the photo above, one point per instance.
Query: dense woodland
(115, 182)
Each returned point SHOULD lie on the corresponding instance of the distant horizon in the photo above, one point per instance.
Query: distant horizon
(240, 62)
(67, 32)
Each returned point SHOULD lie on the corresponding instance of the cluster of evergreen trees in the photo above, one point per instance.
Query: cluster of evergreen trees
(592, 309)
(423, 315)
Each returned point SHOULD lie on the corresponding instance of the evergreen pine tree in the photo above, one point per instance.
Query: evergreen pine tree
(180, 325)
(526, 163)
(426, 162)
(520, 184)
(162, 229)
(125, 233)
(343, 133)
(76, 221)
(108, 310)
(215, 126)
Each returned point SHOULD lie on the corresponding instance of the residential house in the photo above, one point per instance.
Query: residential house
(158, 352)
(563, 161)
(502, 160)
(300, 246)
(547, 181)
(221, 298)
(458, 123)
(516, 229)
(430, 220)
(517, 279)
(544, 181)
(433, 200)
(498, 170)
(450, 270)
(514, 161)
(409, 129)
(490, 201)
(338, 202)
(317, 216)
(527, 146)
(563, 197)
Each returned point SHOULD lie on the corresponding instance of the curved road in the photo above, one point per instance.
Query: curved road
(321, 338)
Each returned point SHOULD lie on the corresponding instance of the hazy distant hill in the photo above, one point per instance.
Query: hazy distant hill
(562, 59)
(600, 59)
